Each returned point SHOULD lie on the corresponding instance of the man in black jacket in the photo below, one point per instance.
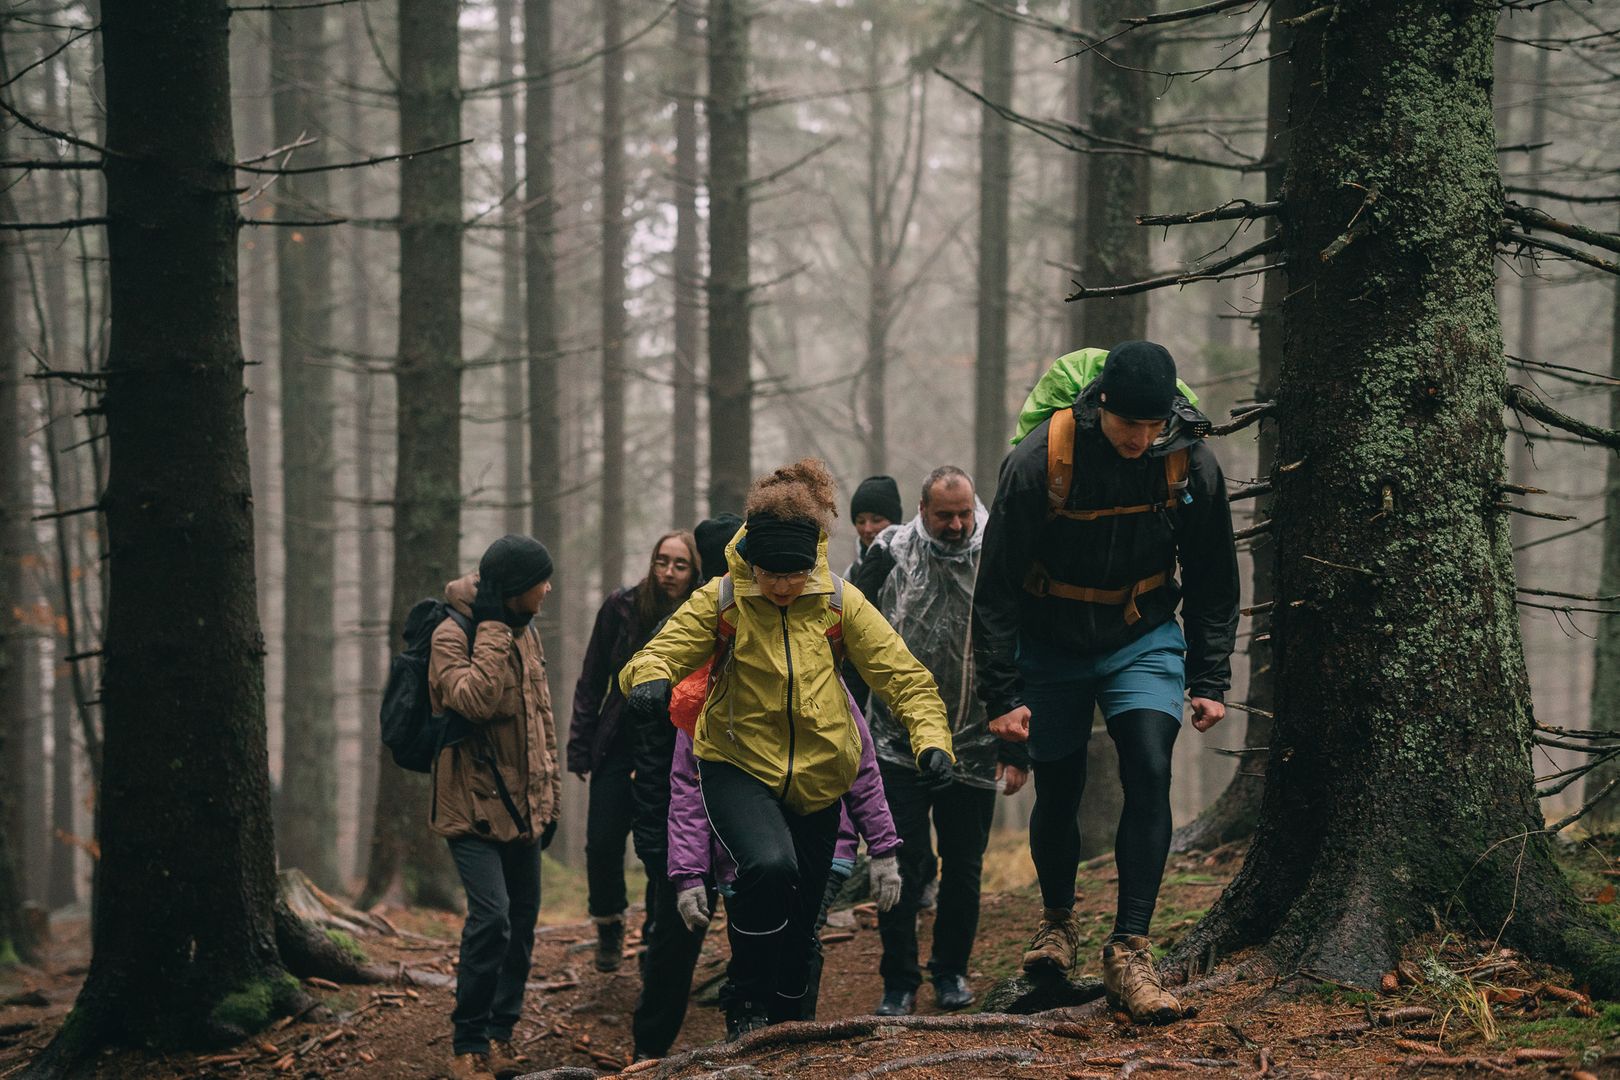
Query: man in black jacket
(1075, 609)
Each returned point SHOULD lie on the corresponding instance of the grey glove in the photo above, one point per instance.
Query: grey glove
(693, 906)
(884, 875)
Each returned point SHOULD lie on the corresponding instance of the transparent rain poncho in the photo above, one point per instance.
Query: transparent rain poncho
(928, 599)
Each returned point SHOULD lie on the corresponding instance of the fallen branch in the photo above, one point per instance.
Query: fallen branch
(1018, 1055)
(1174, 1065)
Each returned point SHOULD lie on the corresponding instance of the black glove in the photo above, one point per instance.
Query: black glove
(934, 769)
(487, 605)
(548, 834)
(648, 702)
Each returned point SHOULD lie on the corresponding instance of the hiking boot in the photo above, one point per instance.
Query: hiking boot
(1133, 984)
(505, 1061)
(470, 1067)
(952, 992)
(609, 943)
(1051, 951)
(896, 1003)
(743, 1017)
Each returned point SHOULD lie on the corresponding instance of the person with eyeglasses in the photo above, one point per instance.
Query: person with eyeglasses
(777, 746)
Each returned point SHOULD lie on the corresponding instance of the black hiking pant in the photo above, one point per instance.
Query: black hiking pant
(502, 882)
(960, 816)
(783, 860)
(610, 813)
(667, 964)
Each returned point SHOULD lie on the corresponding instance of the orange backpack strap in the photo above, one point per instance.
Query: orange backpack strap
(1059, 459)
(1175, 474)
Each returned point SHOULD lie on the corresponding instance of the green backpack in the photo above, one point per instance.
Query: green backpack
(1061, 385)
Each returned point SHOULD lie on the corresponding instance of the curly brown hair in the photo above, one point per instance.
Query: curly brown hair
(803, 491)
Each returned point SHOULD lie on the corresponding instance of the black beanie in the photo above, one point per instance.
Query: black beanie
(877, 495)
(713, 534)
(515, 564)
(780, 546)
(1138, 381)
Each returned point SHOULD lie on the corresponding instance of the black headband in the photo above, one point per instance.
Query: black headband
(780, 546)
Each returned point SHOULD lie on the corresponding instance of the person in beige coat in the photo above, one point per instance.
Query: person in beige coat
(496, 790)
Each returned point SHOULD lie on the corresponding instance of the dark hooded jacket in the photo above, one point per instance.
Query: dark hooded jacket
(598, 705)
(1108, 553)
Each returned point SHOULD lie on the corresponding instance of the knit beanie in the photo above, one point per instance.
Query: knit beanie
(779, 545)
(877, 495)
(515, 564)
(1138, 381)
(713, 534)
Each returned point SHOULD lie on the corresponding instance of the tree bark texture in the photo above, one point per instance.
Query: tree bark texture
(1605, 816)
(1080, 67)
(880, 268)
(183, 944)
(1118, 186)
(1233, 814)
(307, 807)
(427, 485)
(612, 294)
(990, 415)
(1399, 784)
(731, 383)
(687, 267)
(510, 340)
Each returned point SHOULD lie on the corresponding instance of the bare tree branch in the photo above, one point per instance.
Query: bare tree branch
(1237, 209)
(1519, 397)
(1575, 254)
(1181, 277)
(1532, 218)
(39, 226)
(279, 171)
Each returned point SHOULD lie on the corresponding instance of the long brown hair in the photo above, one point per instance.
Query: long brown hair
(650, 603)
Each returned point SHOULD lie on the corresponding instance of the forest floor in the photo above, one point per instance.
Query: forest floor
(1456, 1007)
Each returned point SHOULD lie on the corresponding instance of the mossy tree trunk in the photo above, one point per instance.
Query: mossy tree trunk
(1399, 784)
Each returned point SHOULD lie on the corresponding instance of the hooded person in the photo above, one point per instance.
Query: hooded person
(776, 743)
(921, 575)
(496, 791)
(600, 747)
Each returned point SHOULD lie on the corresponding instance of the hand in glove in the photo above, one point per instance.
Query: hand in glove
(648, 702)
(934, 769)
(548, 834)
(693, 906)
(884, 874)
(487, 605)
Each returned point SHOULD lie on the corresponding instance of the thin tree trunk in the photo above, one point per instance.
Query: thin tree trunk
(991, 420)
(185, 911)
(1235, 812)
(731, 383)
(879, 265)
(612, 292)
(427, 486)
(1605, 817)
(307, 806)
(511, 335)
(1399, 784)
(687, 269)
(1080, 171)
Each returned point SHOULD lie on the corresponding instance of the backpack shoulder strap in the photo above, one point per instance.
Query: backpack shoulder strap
(835, 632)
(725, 626)
(1059, 458)
(466, 624)
(1175, 473)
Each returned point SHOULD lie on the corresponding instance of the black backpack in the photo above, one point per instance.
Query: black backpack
(410, 730)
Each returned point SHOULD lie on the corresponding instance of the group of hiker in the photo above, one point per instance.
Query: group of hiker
(750, 719)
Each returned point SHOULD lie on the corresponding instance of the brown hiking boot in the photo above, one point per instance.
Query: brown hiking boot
(505, 1061)
(1133, 984)
(1051, 951)
(470, 1067)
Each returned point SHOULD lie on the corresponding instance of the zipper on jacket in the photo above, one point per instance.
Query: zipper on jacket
(787, 647)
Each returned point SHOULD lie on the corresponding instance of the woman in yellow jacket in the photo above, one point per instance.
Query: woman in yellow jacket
(776, 744)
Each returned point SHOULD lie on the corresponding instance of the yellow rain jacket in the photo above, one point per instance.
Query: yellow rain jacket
(779, 711)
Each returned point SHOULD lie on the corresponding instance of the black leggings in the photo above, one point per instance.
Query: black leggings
(1144, 738)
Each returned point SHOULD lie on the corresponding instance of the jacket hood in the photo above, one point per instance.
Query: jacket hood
(742, 575)
(459, 593)
(915, 531)
(1187, 424)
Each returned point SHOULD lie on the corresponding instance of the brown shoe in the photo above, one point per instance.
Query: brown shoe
(505, 1061)
(1052, 950)
(470, 1067)
(1133, 984)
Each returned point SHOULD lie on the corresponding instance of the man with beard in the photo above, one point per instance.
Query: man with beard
(921, 575)
(599, 746)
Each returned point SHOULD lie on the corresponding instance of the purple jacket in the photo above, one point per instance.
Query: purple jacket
(696, 856)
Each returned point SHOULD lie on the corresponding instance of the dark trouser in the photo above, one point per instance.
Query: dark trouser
(1145, 739)
(502, 882)
(835, 885)
(961, 815)
(782, 861)
(666, 967)
(610, 814)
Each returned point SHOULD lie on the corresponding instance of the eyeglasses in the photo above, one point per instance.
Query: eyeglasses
(768, 579)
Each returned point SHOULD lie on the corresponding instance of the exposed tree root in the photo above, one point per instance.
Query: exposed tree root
(308, 951)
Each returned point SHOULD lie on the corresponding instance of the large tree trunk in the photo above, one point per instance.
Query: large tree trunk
(307, 807)
(1605, 816)
(611, 533)
(731, 383)
(1399, 786)
(427, 485)
(990, 417)
(184, 945)
(688, 297)
(1234, 813)
(510, 339)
